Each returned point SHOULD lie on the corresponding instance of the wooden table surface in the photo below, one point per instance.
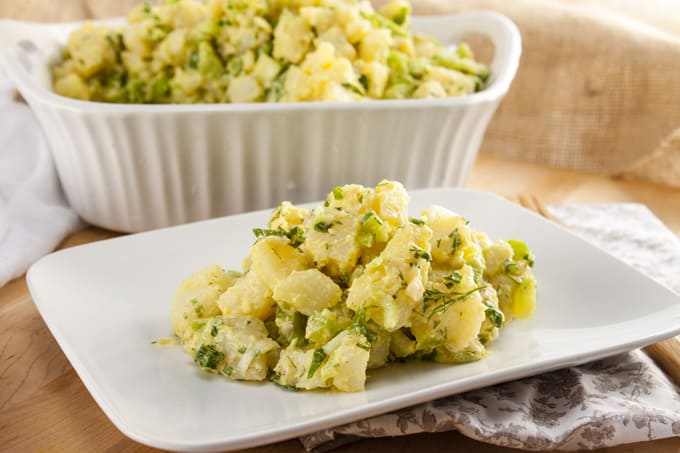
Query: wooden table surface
(45, 407)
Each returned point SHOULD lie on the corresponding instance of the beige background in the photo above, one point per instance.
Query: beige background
(598, 87)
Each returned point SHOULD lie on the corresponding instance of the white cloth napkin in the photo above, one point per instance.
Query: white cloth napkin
(621, 399)
(34, 215)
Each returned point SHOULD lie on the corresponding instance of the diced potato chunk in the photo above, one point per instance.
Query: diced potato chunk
(450, 315)
(273, 259)
(307, 291)
(266, 69)
(331, 240)
(375, 45)
(197, 297)
(235, 346)
(244, 89)
(73, 86)
(453, 241)
(90, 49)
(287, 216)
(392, 284)
(295, 368)
(292, 38)
(249, 296)
(347, 362)
(391, 202)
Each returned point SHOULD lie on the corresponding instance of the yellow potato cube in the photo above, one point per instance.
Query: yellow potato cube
(244, 89)
(273, 259)
(197, 297)
(319, 17)
(347, 361)
(429, 90)
(390, 202)
(72, 86)
(307, 291)
(249, 296)
(331, 240)
(90, 49)
(450, 315)
(392, 284)
(292, 38)
(287, 216)
(375, 45)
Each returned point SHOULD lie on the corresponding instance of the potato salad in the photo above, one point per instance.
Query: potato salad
(216, 51)
(351, 285)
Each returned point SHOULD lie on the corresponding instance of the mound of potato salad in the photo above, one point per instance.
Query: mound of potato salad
(190, 51)
(351, 285)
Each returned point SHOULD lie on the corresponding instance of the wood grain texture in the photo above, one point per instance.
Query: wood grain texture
(45, 407)
(667, 355)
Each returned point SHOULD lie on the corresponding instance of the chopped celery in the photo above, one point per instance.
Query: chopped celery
(209, 63)
(521, 251)
(524, 298)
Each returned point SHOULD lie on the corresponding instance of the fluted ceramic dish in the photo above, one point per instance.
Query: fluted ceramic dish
(131, 167)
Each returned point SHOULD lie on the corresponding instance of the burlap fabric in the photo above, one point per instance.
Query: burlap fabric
(598, 87)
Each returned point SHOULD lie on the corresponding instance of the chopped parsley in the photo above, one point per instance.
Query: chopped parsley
(353, 88)
(446, 299)
(265, 49)
(342, 280)
(453, 279)
(420, 253)
(365, 347)
(495, 316)
(323, 227)
(363, 80)
(455, 240)
(360, 326)
(121, 42)
(276, 379)
(296, 235)
(512, 271)
(317, 359)
(209, 357)
(193, 60)
(416, 221)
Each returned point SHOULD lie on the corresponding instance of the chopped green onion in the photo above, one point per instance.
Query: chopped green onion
(317, 359)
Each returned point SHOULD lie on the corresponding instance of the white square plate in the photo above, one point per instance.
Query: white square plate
(105, 302)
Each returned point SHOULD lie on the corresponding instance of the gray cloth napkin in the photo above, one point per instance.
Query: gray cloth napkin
(621, 399)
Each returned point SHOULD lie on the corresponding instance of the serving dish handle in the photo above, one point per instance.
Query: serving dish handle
(41, 35)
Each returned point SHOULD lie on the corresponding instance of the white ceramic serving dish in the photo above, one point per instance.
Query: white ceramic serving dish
(104, 302)
(138, 167)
